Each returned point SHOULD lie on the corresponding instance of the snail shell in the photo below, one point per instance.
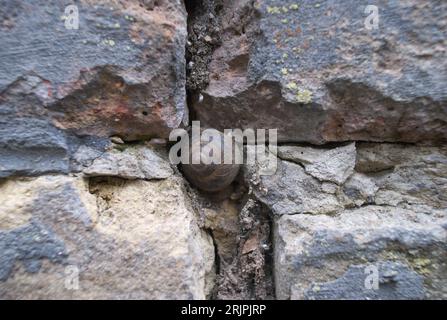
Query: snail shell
(211, 177)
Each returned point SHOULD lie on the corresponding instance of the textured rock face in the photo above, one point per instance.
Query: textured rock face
(389, 213)
(406, 284)
(138, 162)
(90, 207)
(65, 96)
(135, 239)
(318, 75)
(121, 73)
(333, 165)
(340, 212)
(326, 257)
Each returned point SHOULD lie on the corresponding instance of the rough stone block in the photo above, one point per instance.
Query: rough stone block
(61, 238)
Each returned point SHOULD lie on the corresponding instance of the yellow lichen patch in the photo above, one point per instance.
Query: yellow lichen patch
(284, 71)
(292, 86)
(304, 96)
(273, 10)
(421, 265)
(129, 18)
(389, 255)
(109, 42)
(294, 6)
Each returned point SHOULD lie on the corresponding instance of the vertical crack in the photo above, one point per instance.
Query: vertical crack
(241, 229)
(203, 37)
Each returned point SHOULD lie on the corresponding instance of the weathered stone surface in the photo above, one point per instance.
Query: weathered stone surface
(121, 73)
(126, 239)
(319, 256)
(90, 211)
(407, 176)
(317, 74)
(358, 190)
(31, 146)
(134, 162)
(389, 212)
(332, 165)
(323, 181)
(291, 190)
(404, 283)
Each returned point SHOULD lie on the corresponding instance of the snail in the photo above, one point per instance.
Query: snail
(211, 177)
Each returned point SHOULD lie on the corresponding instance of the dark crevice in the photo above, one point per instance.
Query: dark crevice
(246, 273)
(249, 273)
(203, 37)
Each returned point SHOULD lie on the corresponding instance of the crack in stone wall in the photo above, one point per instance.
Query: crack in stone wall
(362, 163)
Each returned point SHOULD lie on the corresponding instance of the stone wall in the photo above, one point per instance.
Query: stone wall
(92, 208)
